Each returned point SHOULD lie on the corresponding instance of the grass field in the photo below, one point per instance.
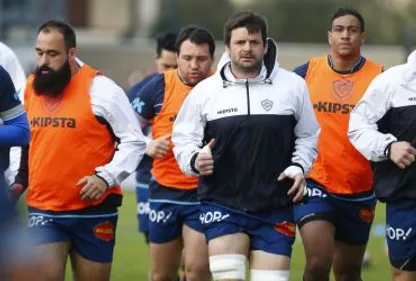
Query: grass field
(131, 261)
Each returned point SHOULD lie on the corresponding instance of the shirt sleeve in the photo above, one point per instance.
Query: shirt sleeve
(10, 106)
(188, 131)
(363, 130)
(110, 103)
(11, 63)
(146, 97)
(15, 130)
(306, 131)
(302, 70)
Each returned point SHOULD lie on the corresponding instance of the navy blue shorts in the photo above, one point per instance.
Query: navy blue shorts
(352, 218)
(143, 208)
(273, 232)
(401, 234)
(167, 219)
(170, 210)
(92, 236)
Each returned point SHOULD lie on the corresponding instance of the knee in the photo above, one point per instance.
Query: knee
(348, 274)
(228, 267)
(197, 271)
(269, 275)
(156, 275)
(317, 269)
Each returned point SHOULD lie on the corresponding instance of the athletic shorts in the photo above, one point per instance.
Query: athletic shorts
(91, 235)
(352, 218)
(143, 209)
(273, 232)
(401, 234)
(170, 210)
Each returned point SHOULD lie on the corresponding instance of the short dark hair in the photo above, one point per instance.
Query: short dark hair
(196, 35)
(253, 22)
(65, 29)
(166, 41)
(347, 12)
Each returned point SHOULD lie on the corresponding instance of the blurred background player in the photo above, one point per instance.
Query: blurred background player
(10, 62)
(85, 142)
(17, 262)
(174, 208)
(165, 59)
(335, 221)
(165, 45)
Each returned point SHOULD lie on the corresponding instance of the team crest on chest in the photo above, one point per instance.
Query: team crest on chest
(342, 88)
(267, 104)
(51, 104)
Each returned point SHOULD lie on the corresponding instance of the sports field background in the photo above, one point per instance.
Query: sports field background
(131, 261)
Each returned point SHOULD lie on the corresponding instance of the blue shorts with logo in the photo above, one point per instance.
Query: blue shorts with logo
(273, 232)
(91, 235)
(401, 234)
(170, 210)
(143, 210)
(352, 217)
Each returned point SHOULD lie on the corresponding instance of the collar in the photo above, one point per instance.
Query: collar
(355, 68)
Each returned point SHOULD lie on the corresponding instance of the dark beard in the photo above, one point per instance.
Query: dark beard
(53, 83)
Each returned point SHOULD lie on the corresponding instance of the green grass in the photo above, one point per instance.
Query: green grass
(131, 257)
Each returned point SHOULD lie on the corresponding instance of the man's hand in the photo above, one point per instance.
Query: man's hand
(94, 187)
(204, 162)
(15, 191)
(159, 147)
(298, 188)
(402, 154)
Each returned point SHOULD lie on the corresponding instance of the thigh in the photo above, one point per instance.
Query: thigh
(318, 242)
(195, 247)
(316, 207)
(224, 230)
(94, 237)
(401, 235)
(45, 229)
(87, 270)
(165, 223)
(51, 237)
(195, 254)
(348, 260)
(230, 244)
(403, 275)
(261, 260)
(354, 220)
(54, 258)
(277, 238)
(165, 258)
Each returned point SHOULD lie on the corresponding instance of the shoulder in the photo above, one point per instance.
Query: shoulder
(149, 81)
(392, 76)
(153, 79)
(288, 77)
(374, 65)
(104, 88)
(301, 70)
(206, 87)
(6, 51)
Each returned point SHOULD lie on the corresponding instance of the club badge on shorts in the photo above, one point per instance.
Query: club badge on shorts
(105, 231)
